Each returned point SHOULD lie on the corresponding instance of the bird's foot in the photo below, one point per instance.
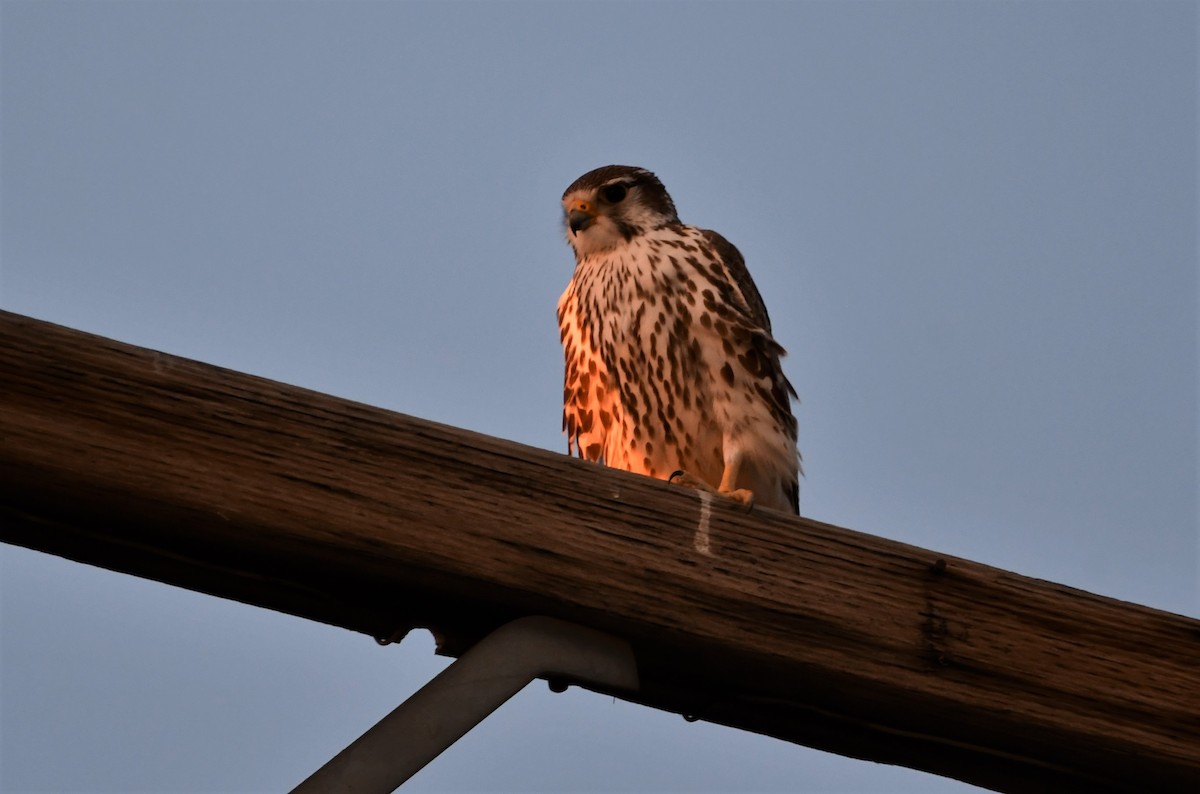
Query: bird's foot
(741, 495)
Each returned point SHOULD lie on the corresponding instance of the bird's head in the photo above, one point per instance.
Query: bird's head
(611, 205)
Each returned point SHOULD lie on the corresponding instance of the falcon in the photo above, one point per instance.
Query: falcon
(671, 369)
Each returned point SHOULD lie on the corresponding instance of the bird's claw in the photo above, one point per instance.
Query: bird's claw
(742, 495)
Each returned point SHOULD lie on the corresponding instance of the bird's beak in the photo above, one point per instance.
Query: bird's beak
(580, 215)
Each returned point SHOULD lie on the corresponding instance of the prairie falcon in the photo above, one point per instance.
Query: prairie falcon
(670, 362)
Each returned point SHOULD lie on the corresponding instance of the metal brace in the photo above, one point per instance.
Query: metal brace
(461, 696)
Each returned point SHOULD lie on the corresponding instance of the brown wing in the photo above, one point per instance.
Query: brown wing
(761, 354)
(735, 266)
(745, 297)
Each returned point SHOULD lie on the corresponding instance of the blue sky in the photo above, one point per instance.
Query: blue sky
(974, 225)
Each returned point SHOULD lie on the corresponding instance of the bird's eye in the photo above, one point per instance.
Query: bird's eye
(613, 193)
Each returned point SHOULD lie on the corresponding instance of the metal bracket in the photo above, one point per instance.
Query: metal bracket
(461, 696)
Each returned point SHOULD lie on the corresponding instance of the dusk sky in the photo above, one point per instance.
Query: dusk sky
(974, 225)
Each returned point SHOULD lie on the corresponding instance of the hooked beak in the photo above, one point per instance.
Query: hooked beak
(580, 215)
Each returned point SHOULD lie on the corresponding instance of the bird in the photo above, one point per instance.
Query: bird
(671, 370)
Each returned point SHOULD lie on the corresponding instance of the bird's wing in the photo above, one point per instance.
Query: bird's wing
(750, 301)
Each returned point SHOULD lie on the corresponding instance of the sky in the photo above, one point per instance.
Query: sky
(973, 223)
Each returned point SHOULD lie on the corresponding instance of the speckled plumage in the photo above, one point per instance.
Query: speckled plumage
(670, 362)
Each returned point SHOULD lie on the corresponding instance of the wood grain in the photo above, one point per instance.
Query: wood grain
(335, 511)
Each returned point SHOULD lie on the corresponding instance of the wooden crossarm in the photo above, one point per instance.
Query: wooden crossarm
(277, 496)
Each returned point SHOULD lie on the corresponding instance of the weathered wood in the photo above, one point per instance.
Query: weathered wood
(273, 495)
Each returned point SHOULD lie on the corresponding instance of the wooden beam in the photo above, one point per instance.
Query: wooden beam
(277, 496)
